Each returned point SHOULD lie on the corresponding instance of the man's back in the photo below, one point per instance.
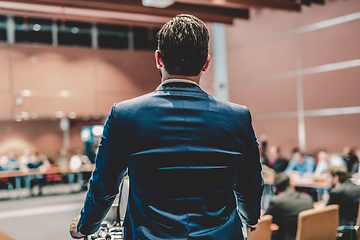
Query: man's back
(189, 156)
(183, 151)
(347, 196)
(285, 209)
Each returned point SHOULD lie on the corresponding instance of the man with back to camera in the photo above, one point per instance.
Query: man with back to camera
(345, 194)
(186, 153)
(285, 208)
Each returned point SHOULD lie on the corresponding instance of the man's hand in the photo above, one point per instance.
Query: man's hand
(73, 229)
(319, 205)
(254, 227)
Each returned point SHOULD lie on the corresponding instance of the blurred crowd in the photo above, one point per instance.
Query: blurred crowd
(306, 166)
(42, 169)
(337, 177)
(36, 160)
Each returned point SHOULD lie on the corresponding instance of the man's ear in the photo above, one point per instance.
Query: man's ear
(159, 63)
(206, 65)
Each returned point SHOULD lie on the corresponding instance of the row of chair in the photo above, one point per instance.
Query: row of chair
(312, 225)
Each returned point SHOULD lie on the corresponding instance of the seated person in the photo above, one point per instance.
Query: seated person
(300, 164)
(285, 208)
(41, 164)
(25, 159)
(345, 194)
(275, 161)
(355, 172)
(9, 162)
(349, 157)
(326, 160)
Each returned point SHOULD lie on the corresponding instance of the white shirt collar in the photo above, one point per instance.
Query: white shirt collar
(178, 80)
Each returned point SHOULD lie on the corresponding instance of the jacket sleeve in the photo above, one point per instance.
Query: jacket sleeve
(105, 179)
(249, 186)
(334, 198)
(273, 211)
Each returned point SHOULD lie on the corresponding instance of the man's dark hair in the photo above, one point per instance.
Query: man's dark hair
(297, 150)
(281, 182)
(183, 45)
(339, 171)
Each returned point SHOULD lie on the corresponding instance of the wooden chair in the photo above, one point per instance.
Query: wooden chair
(4, 236)
(318, 224)
(264, 232)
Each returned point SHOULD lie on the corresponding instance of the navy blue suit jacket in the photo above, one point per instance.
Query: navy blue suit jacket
(187, 154)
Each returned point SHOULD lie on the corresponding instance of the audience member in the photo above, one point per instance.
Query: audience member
(43, 170)
(275, 160)
(63, 160)
(25, 159)
(75, 161)
(349, 157)
(78, 162)
(326, 160)
(285, 207)
(42, 164)
(345, 194)
(300, 164)
(39, 160)
(9, 162)
(262, 149)
(355, 172)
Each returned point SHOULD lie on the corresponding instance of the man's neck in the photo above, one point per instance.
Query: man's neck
(179, 80)
(195, 79)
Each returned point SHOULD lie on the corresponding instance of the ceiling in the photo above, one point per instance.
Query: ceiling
(132, 12)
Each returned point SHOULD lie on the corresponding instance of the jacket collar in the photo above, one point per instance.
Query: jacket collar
(179, 85)
(177, 80)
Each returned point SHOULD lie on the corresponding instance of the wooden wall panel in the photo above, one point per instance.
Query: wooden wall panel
(247, 32)
(126, 71)
(267, 96)
(268, 58)
(332, 89)
(280, 132)
(333, 132)
(331, 45)
(4, 69)
(331, 9)
(48, 106)
(45, 68)
(6, 101)
(42, 136)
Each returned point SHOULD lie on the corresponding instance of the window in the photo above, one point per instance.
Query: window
(112, 36)
(145, 38)
(33, 30)
(74, 33)
(3, 32)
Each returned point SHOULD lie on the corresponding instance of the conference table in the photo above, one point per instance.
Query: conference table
(316, 187)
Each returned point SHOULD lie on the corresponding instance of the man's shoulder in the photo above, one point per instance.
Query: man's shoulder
(292, 195)
(152, 98)
(134, 101)
(346, 189)
(238, 107)
(309, 158)
(348, 186)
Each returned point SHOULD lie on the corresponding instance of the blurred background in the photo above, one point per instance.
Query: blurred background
(63, 64)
